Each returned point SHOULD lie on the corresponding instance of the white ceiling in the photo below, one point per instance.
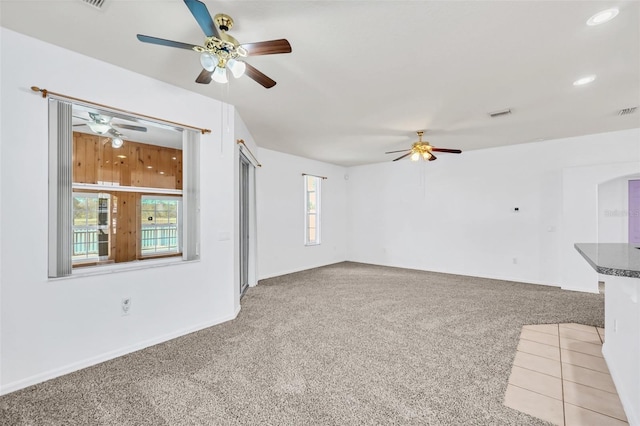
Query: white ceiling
(150, 132)
(365, 75)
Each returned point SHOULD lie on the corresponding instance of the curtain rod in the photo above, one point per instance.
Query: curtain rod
(46, 93)
(241, 142)
(321, 177)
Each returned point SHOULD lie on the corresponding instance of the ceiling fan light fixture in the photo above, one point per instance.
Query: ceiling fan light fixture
(236, 67)
(220, 75)
(422, 149)
(99, 128)
(208, 61)
(117, 142)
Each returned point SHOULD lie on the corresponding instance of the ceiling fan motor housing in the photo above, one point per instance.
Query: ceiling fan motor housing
(421, 147)
(226, 47)
(224, 22)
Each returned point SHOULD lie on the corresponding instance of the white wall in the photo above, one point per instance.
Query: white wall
(456, 214)
(1, 139)
(613, 201)
(580, 220)
(613, 210)
(49, 327)
(281, 214)
(622, 342)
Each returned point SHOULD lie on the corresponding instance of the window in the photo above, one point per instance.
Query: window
(121, 188)
(90, 227)
(160, 225)
(312, 210)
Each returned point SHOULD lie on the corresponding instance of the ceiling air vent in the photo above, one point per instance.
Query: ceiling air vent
(500, 113)
(95, 3)
(627, 111)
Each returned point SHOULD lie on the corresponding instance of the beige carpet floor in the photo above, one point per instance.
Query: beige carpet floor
(345, 344)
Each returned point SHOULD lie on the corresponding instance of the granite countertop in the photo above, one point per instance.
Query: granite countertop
(618, 259)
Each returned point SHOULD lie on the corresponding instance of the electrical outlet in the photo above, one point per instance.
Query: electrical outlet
(126, 305)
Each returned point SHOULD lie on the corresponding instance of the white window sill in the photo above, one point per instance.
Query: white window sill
(135, 265)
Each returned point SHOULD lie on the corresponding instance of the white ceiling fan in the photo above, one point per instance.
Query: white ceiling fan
(102, 125)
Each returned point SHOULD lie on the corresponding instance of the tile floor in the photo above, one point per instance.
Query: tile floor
(559, 375)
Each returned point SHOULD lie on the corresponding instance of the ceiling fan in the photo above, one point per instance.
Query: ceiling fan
(221, 51)
(422, 149)
(102, 125)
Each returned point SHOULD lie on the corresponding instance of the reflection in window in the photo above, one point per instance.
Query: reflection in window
(117, 193)
(160, 225)
(90, 227)
(125, 159)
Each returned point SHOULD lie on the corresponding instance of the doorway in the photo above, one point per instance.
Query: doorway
(634, 212)
(244, 223)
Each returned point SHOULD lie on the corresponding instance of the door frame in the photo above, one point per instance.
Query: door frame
(244, 222)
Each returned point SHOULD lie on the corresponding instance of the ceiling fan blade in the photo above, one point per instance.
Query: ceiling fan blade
(99, 118)
(114, 132)
(270, 47)
(433, 157)
(402, 150)
(163, 42)
(203, 17)
(130, 127)
(83, 124)
(402, 156)
(205, 77)
(259, 77)
(451, 151)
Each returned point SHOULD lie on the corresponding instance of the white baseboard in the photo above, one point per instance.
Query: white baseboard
(464, 274)
(70, 368)
(580, 289)
(300, 269)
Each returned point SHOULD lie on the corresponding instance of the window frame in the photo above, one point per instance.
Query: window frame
(97, 195)
(61, 189)
(179, 226)
(308, 213)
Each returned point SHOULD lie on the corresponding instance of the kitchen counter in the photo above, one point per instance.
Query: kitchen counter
(617, 259)
(619, 265)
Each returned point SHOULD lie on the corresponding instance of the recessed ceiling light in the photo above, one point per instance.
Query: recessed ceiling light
(602, 17)
(584, 80)
(122, 156)
(149, 167)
